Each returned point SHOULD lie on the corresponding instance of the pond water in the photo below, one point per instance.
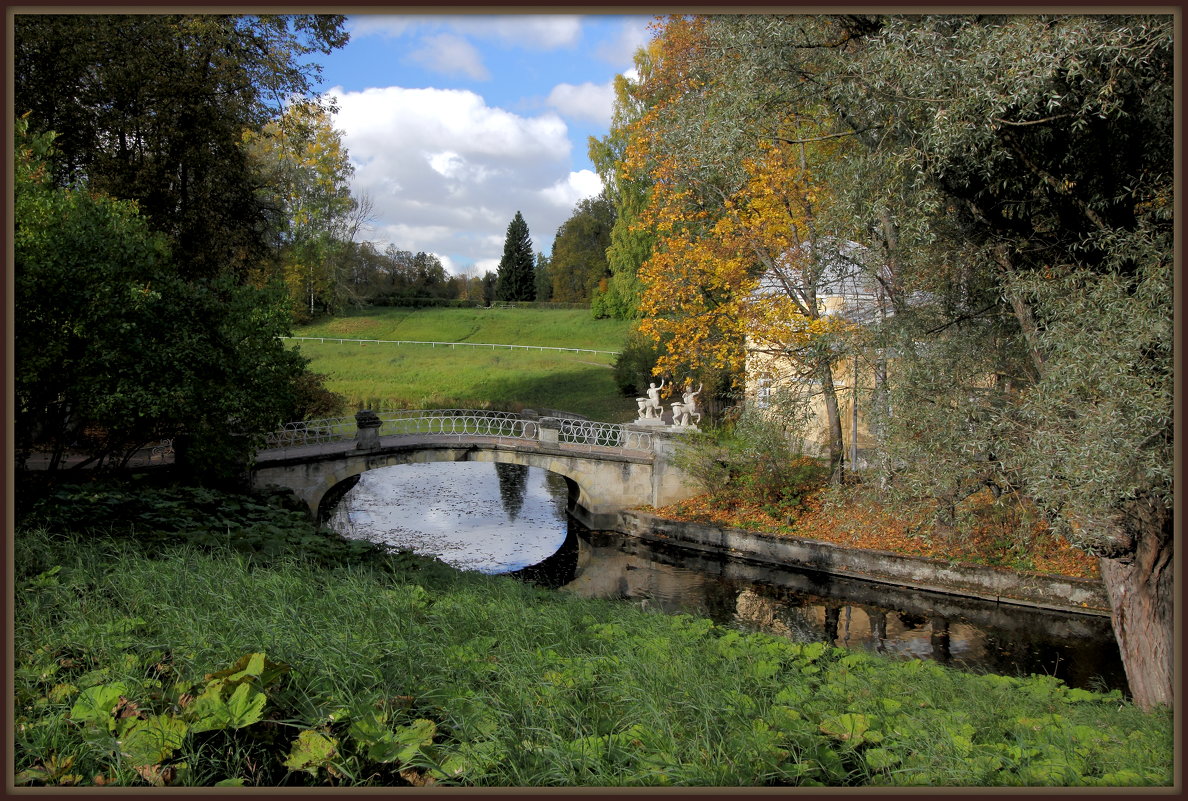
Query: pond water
(511, 519)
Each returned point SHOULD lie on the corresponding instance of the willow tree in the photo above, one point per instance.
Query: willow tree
(1017, 173)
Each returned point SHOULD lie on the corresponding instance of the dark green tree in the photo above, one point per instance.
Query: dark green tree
(114, 351)
(543, 278)
(152, 108)
(578, 262)
(489, 280)
(516, 274)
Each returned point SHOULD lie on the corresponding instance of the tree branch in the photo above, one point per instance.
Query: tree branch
(1031, 122)
(823, 138)
(960, 319)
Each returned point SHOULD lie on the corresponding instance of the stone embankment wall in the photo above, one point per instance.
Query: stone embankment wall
(999, 585)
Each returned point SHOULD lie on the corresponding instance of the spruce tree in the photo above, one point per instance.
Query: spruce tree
(516, 273)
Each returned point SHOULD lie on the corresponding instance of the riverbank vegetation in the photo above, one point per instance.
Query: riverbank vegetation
(755, 479)
(855, 516)
(189, 637)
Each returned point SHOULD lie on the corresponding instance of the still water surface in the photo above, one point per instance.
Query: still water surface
(511, 519)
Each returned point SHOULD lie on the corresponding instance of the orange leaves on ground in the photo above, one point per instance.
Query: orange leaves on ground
(856, 520)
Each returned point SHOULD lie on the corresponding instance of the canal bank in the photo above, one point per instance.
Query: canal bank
(996, 585)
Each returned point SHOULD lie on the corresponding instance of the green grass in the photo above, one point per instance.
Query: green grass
(399, 669)
(566, 328)
(385, 376)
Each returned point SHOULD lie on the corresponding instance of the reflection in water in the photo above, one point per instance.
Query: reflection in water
(485, 517)
(513, 484)
(465, 513)
(805, 605)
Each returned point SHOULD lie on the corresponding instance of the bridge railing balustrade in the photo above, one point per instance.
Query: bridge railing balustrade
(608, 435)
(461, 423)
(312, 432)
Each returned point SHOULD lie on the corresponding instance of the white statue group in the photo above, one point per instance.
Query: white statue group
(683, 411)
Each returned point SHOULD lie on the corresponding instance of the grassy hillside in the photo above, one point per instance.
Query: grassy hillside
(564, 328)
(387, 376)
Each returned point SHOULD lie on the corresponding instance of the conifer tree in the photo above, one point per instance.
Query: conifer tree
(516, 273)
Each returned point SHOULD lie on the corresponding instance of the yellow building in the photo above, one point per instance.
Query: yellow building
(841, 288)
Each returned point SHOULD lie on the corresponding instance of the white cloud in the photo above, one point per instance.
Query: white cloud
(633, 34)
(450, 55)
(590, 101)
(535, 31)
(446, 172)
(382, 24)
(572, 188)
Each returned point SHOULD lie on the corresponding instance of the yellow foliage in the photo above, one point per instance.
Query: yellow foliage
(704, 291)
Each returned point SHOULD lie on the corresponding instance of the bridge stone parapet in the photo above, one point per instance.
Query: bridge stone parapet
(609, 467)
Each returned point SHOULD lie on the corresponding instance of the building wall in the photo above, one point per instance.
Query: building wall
(767, 376)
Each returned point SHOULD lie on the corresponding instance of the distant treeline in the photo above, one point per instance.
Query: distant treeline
(394, 277)
(465, 303)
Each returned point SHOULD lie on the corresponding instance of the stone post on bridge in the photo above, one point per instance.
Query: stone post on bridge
(367, 431)
(549, 430)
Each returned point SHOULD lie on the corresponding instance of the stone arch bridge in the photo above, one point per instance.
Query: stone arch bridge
(609, 467)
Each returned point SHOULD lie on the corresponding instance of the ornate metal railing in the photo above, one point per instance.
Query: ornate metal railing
(607, 435)
(311, 432)
(462, 423)
(459, 422)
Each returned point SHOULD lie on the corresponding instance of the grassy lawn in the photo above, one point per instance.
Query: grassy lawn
(134, 666)
(384, 376)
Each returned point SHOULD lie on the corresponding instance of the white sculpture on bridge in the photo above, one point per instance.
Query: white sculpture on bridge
(685, 409)
(649, 407)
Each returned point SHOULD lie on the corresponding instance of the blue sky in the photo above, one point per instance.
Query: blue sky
(455, 122)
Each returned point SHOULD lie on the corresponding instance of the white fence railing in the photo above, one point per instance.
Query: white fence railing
(461, 423)
(607, 435)
(492, 345)
(311, 432)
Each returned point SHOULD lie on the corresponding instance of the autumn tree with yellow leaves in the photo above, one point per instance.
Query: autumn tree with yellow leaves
(307, 169)
(752, 279)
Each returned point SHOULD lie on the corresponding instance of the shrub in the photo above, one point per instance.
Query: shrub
(749, 459)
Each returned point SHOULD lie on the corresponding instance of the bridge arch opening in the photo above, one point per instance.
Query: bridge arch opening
(337, 487)
(489, 516)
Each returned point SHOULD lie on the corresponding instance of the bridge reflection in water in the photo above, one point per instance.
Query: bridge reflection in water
(802, 604)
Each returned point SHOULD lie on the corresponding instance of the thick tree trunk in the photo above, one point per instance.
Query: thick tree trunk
(1141, 588)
